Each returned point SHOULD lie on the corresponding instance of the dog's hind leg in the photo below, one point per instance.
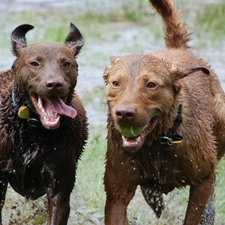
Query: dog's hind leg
(208, 216)
(3, 188)
(154, 199)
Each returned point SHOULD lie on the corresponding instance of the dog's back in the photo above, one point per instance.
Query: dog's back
(177, 52)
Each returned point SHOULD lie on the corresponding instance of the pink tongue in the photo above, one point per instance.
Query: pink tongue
(57, 105)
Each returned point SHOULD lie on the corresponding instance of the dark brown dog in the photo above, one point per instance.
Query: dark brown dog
(43, 125)
(176, 96)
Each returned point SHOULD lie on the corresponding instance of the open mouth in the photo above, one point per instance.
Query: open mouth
(134, 143)
(50, 109)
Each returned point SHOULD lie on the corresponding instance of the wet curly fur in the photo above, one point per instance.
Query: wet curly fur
(33, 159)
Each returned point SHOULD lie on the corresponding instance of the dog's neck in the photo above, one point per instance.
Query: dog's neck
(23, 112)
(164, 132)
(169, 138)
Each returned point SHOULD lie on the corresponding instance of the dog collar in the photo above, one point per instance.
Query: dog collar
(23, 112)
(170, 138)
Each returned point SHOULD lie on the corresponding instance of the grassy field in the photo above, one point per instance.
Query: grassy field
(103, 33)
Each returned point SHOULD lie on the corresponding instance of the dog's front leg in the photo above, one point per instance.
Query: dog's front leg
(59, 209)
(58, 193)
(116, 206)
(199, 195)
(120, 189)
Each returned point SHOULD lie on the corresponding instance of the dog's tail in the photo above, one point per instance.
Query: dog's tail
(175, 31)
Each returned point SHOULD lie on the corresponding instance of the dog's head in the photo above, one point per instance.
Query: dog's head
(46, 73)
(141, 91)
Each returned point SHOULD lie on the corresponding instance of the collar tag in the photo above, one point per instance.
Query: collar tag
(24, 112)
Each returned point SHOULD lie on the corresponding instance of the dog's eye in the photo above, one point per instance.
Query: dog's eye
(34, 63)
(115, 84)
(66, 64)
(151, 85)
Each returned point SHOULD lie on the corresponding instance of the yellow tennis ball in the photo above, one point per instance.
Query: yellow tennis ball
(130, 132)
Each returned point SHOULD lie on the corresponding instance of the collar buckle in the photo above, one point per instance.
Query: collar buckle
(170, 138)
(164, 140)
(175, 139)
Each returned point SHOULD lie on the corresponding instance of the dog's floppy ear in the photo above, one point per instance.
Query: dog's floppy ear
(179, 72)
(18, 39)
(183, 71)
(74, 39)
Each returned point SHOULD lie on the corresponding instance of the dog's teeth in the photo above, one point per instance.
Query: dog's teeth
(135, 139)
(39, 102)
(41, 107)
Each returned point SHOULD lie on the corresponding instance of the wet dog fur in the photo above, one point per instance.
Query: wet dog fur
(176, 95)
(43, 124)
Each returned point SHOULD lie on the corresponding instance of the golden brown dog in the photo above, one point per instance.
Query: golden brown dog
(178, 100)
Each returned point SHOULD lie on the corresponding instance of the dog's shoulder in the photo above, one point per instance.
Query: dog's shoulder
(6, 79)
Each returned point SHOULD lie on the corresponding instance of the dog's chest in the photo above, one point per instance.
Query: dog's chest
(30, 154)
(163, 167)
(24, 172)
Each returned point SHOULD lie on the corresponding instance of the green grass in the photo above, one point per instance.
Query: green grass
(210, 21)
(89, 184)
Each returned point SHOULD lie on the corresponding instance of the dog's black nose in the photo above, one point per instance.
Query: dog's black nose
(55, 84)
(125, 113)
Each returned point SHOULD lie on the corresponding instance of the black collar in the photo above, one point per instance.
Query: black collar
(170, 138)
